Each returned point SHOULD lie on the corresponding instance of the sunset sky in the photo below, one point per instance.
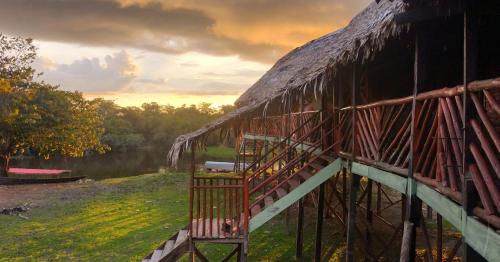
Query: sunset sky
(167, 51)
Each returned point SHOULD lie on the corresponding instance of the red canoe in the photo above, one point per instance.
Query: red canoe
(37, 176)
(33, 171)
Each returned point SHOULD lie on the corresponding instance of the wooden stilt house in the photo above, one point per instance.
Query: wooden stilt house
(404, 98)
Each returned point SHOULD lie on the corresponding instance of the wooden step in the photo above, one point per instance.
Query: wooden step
(294, 183)
(281, 192)
(168, 247)
(316, 165)
(327, 158)
(269, 201)
(304, 174)
(181, 237)
(255, 210)
(156, 255)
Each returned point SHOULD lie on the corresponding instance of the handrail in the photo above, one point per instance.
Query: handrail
(279, 116)
(279, 144)
(289, 177)
(285, 150)
(291, 163)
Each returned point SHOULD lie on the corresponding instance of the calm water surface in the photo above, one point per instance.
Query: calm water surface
(109, 165)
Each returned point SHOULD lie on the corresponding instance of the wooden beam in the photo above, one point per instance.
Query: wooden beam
(191, 199)
(351, 220)
(319, 222)
(413, 205)
(369, 216)
(470, 57)
(299, 240)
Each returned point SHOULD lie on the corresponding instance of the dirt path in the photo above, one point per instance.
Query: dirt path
(43, 195)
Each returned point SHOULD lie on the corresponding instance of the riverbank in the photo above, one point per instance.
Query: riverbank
(124, 219)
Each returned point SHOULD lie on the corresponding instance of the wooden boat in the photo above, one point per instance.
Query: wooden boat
(18, 176)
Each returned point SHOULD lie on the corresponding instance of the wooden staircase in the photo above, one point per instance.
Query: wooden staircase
(172, 249)
(227, 209)
(292, 189)
(264, 208)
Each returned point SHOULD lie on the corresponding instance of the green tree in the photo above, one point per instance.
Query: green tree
(38, 116)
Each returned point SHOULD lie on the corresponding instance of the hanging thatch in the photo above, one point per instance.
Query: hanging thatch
(311, 67)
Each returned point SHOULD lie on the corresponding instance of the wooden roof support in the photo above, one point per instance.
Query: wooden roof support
(319, 222)
(355, 179)
(413, 205)
(470, 66)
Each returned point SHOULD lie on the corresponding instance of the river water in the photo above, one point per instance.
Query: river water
(110, 165)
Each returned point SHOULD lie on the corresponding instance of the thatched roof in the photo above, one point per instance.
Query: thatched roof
(311, 65)
(365, 34)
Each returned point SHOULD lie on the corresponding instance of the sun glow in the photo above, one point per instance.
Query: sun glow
(133, 99)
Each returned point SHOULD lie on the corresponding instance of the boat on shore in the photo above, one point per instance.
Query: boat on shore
(16, 176)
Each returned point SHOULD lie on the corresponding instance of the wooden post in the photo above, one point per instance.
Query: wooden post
(355, 86)
(379, 199)
(351, 223)
(407, 247)
(191, 199)
(355, 179)
(369, 215)
(413, 204)
(319, 222)
(345, 211)
(470, 45)
(299, 241)
(439, 238)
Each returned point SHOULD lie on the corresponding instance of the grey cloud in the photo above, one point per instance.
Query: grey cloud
(106, 23)
(168, 27)
(90, 75)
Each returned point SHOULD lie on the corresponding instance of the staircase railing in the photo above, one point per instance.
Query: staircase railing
(293, 160)
(283, 142)
(290, 166)
(217, 207)
(287, 149)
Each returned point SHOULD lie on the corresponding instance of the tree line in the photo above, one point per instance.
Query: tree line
(37, 118)
(152, 126)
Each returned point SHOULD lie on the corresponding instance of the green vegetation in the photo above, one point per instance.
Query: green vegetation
(125, 219)
(219, 152)
(153, 126)
(40, 119)
(37, 116)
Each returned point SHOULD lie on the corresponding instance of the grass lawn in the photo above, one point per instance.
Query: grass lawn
(219, 152)
(124, 219)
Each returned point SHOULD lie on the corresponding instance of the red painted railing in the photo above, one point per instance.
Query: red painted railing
(382, 138)
(217, 207)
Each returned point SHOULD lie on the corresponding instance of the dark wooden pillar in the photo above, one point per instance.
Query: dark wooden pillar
(192, 257)
(413, 205)
(351, 220)
(439, 238)
(299, 240)
(470, 65)
(355, 179)
(319, 222)
(369, 216)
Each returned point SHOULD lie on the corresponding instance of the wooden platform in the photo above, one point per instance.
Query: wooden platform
(217, 229)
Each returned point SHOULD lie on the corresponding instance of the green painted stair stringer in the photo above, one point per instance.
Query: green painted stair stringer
(296, 194)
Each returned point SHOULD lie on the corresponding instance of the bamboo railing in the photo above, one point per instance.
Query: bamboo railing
(383, 139)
